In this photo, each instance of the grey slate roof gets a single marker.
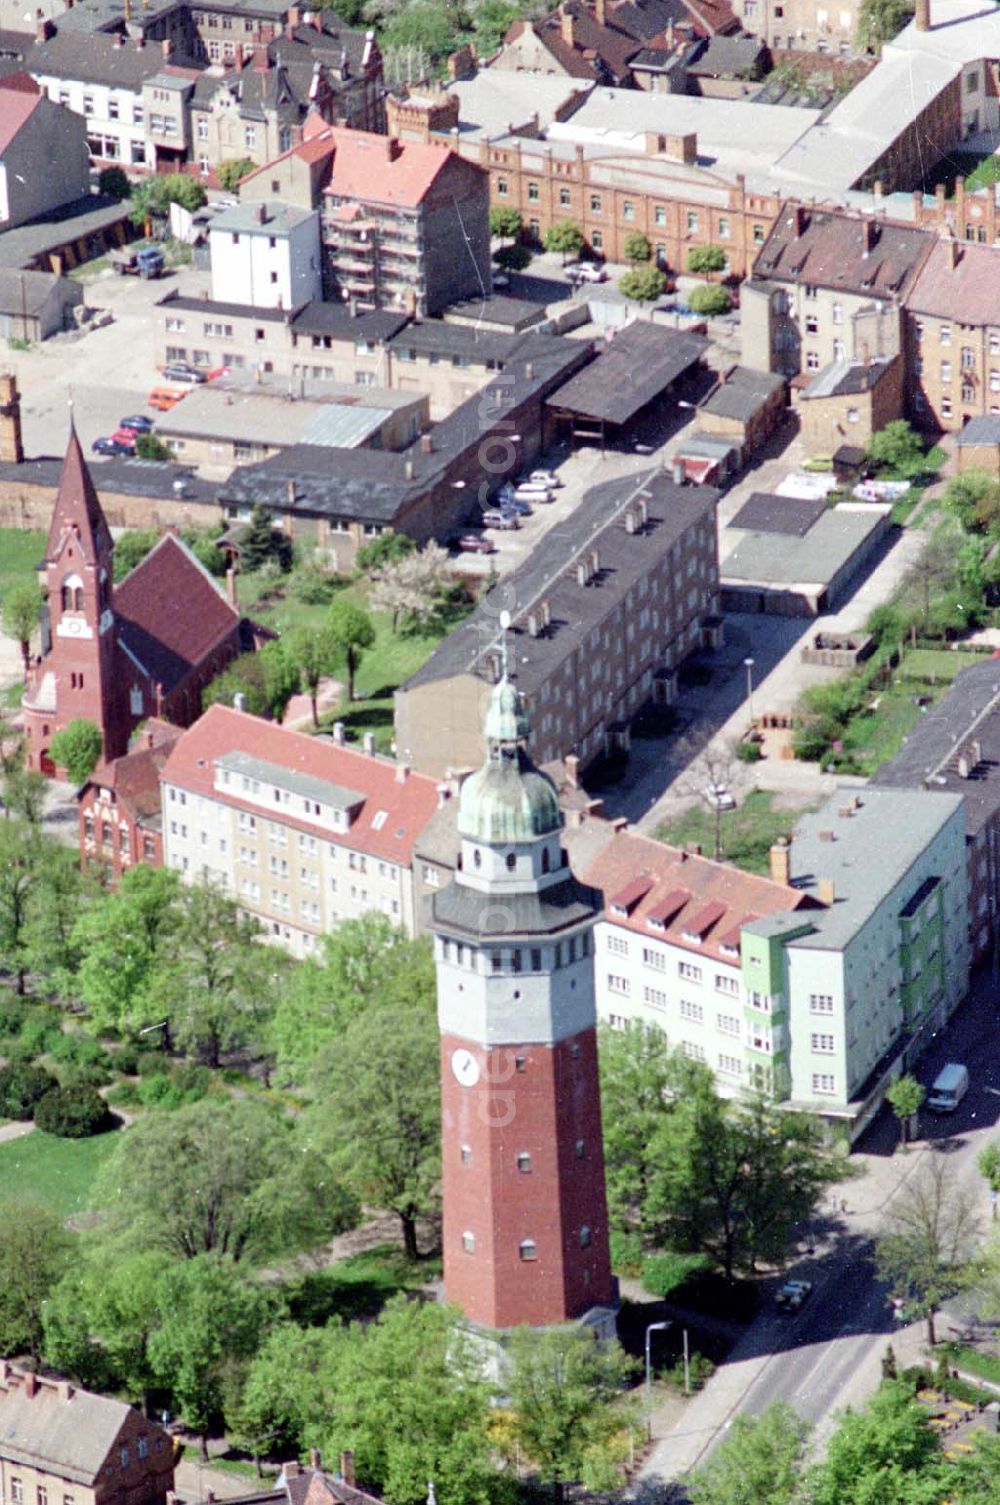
(470, 912)
(512, 313)
(737, 56)
(624, 558)
(210, 308)
(27, 292)
(336, 319)
(743, 393)
(813, 558)
(639, 364)
(763, 512)
(847, 377)
(95, 59)
(246, 219)
(67, 1436)
(151, 478)
(984, 429)
(75, 221)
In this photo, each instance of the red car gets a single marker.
(475, 543)
(125, 436)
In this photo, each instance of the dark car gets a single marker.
(792, 1295)
(475, 543)
(136, 423)
(181, 371)
(111, 446)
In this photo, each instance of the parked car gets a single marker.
(109, 446)
(528, 491)
(476, 543)
(126, 437)
(504, 521)
(165, 398)
(792, 1295)
(218, 371)
(587, 271)
(136, 423)
(516, 505)
(719, 797)
(181, 371)
(543, 478)
(501, 280)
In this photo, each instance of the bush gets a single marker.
(21, 1087)
(666, 1271)
(124, 1095)
(38, 1035)
(710, 301)
(186, 1085)
(749, 752)
(637, 248)
(149, 447)
(513, 258)
(13, 1012)
(114, 182)
(705, 259)
(644, 284)
(78, 1050)
(125, 1058)
(700, 1370)
(505, 222)
(565, 237)
(72, 1112)
(152, 1063)
(626, 1252)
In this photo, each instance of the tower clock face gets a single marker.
(466, 1067)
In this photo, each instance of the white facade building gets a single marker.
(266, 255)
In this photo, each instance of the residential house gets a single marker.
(849, 400)
(602, 617)
(35, 305)
(746, 406)
(977, 447)
(266, 255)
(954, 749)
(297, 1484)
(804, 26)
(404, 225)
(58, 1442)
(119, 806)
(829, 286)
(301, 831)
(43, 157)
(953, 335)
(571, 41)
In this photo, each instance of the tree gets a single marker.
(152, 197)
(899, 448)
(25, 792)
(935, 567)
(314, 654)
(407, 1395)
(637, 248)
(760, 1461)
(261, 542)
(99, 1319)
(880, 20)
(644, 284)
(114, 182)
(425, 25)
(77, 748)
(246, 676)
(120, 939)
(926, 1242)
(703, 260)
(492, 20)
(149, 447)
(232, 170)
(34, 1252)
(640, 1076)
(379, 552)
(22, 607)
(973, 498)
(974, 1479)
(377, 1108)
(710, 301)
(242, 1184)
(208, 1314)
(904, 1097)
(73, 1112)
(563, 1389)
(18, 877)
(279, 676)
(886, 1452)
(132, 548)
(361, 963)
(713, 767)
(505, 222)
(565, 237)
(412, 587)
(733, 1178)
(286, 1388)
(988, 1164)
(352, 631)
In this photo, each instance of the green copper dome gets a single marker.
(507, 800)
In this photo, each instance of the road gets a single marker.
(829, 1355)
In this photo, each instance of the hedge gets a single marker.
(72, 1112)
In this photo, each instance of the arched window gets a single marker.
(71, 594)
(584, 1237)
(477, 857)
(527, 1249)
(545, 859)
(511, 861)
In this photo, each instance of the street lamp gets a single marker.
(748, 666)
(654, 1327)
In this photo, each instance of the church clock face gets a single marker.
(466, 1067)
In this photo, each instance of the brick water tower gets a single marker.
(525, 1212)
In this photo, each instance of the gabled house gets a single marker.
(119, 806)
(43, 156)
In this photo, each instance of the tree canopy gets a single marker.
(759, 1462)
(77, 748)
(927, 1239)
(644, 284)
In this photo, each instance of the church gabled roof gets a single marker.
(77, 508)
(170, 613)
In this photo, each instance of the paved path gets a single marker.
(16, 1130)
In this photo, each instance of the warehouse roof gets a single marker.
(812, 558)
(742, 392)
(641, 362)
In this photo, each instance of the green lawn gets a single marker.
(356, 1287)
(59, 1172)
(748, 832)
(21, 552)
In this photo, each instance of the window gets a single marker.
(655, 997)
(838, 350)
(17, 1492)
(628, 210)
(617, 945)
(469, 1243)
(112, 108)
(944, 335)
(250, 136)
(465, 1155)
(503, 188)
(526, 1249)
(584, 1237)
(812, 324)
(693, 1011)
(564, 198)
(618, 984)
(971, 83)
(724, 984)
(968, 358)
(689, 970)
(810, 291)
(692, 1051)
(728, 1024)
(823, 1082)
(758, 235)
(123, 1456)
(532, 193)
(660, 214)
(822, 1044)
(524, 1162)
(812, 360)
(730, 1065)
(692, 222)
(655, 959)
(994, 380)
(724, 231)
(595, 203)
(821, 1003)
(853, 415)
(994, 342)
(946, 370)
(42, 1495)
(968, 392)
(88, 104)
(520, 1063)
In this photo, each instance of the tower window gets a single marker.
(469, 1243)
(545, 859)
(581, 1149)
(496, 961)
(477, 858)
(536, 960)
(574, 1050)
(520, 1063)
(465, 1155)
(511, 861)
(584, 1237)
(524, 1161)
(527, 1249)
(515, 960)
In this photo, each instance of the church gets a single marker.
(119, 654)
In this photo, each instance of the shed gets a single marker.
(34, 305)
(642, 363)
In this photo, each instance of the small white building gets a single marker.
(266, 255)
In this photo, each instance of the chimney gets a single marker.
(443, 793)
(11, 444)
(119, 40)
(693, 848)
(210, 1497)
(922, 15)
(976, 752)
(566, 26)
(800, 219)
(347, 1466)
(595, 562)
(601, 12)
(150, 739)
(964, 766)
(631, 520)
(239, 701)
(291, 1470)
(392, 148)
(167, 45)
(315, 1460)
(368, 743)
(583, 572)
(826, 890)
(678, 473)
(545, 607)
(140, 42)
(339, 733)
(30, 1383)
(408, 469)
(402, 774)
(780, 861)
(290, 491)
(954, 251)
(262, 213)
(534, 624)
(64, 1390)
(43, 30)
(869, 235)
(294, 17)
(426, 444)
(572, 765)
(231, 587)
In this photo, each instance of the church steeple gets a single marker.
(77, 508)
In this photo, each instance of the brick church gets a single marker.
(117, 655)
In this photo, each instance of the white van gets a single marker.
(950, 1086)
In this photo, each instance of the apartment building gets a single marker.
(829, 286)
(61, 1443)
(302, 831)
(404, 224)
(953, 335)
(829, 29)
(603, 614)
(668, 953)
(43, 157)
(266, 255)
(119, 807)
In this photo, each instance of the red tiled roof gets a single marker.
(135, 778)
(16, 108)
(405, 804)
(21, 82)
(170, 612)
(969, 290)
(366, 166)
(77, 505)
(700, 924)
(626, 900)
(735, 896)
